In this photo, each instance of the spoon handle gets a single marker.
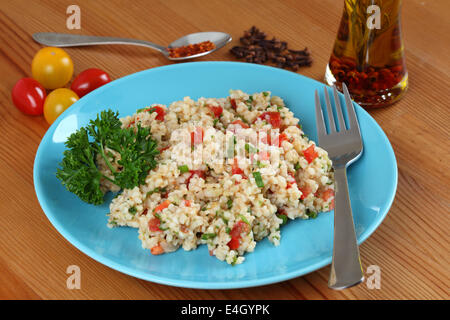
(72, 40)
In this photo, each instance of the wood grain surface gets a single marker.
(412, 244)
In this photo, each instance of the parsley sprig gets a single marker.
(78, 171)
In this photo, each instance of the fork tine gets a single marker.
(337, 103)
(353, 121)
(329, 111)
(320, 123)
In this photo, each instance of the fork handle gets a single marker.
(346, 270)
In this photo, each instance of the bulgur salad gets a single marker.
(225, 172)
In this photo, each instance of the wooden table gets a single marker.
(412, 244)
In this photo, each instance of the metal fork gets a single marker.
(344, 147)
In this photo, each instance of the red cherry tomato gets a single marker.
(28, 96)
(89, 80)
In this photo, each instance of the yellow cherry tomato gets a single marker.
(56, 102)
(52, 67)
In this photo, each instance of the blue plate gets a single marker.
(306, 245)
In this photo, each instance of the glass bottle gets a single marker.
(368, 53)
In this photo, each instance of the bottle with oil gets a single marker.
(368, 53)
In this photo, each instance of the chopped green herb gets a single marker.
(230, 203)
(250, 149)
(243, 119)
(283, 217)
(203, 208)
(234, 260)
(142, 109)
(297, 166)
(227, 230)
(132, 210)
(311, 214)
(161, 221)
(230, 150)
(258, 179)
(329, 182)
(244, 219)
(215, 122)
(279, 108)
(276, 237)
(183, 169)
(221, 215)
(157, 190)
(207, 236)
(265, 93)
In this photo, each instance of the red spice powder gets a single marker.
(191, 49)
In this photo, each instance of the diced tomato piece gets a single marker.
(241, 123)
(197, 136)
(277, 140)
(282, 137)
(153, 224)
(216, 110)
(157, 250)
(233, 244)
(266, 139)
(310, 154)
(198, 173)
(332, 204)
(327, 194)
(282, 212)
(163, 149)
(305, 192)
(162, 206)
(272, 117)
(264, 155)
(160, 112)
(291, 182)
(144, 213)
(233, 104)
(187, 203)
(238, 228)
(236, 170)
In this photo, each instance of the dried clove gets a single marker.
(255, 48)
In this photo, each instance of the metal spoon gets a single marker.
(71, 40)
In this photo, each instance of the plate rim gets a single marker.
(190, 283)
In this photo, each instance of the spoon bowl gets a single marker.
(219, 39)
(53, 39)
